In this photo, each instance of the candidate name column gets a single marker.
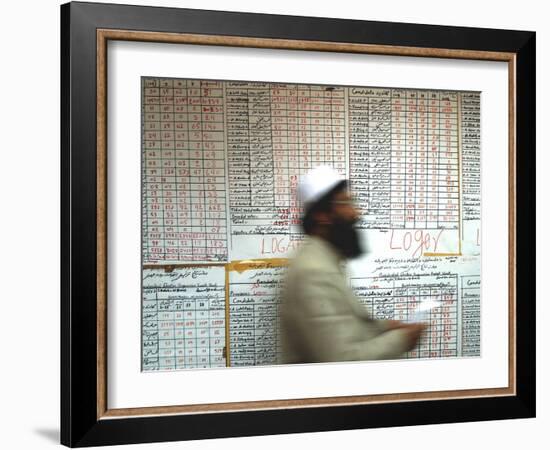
(238, 153)
(379, 157)
(471, 163)
(261, 154)
(251, 160)
(150, 329)
(358, 119)
(471, 315)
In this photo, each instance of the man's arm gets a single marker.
(332, 332)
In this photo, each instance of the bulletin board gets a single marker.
(221, 161)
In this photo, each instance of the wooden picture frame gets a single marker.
(86, 418)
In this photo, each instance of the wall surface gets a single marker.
(29, 184)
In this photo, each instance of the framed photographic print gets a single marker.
(185, 137)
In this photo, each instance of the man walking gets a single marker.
(321, 318)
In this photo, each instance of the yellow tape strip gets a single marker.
(254, 264)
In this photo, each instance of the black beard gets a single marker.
(344, 236)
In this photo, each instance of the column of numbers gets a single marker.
(279, 133)
(410, 158)
(449, 197)
(304, 129)
(337, 128)
(432, 198)
(168, 169)
(421, 160)
(398, 158)
(153, 207)
(183, 171)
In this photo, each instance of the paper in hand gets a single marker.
(422, 313)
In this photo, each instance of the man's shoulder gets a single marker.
(314, 255)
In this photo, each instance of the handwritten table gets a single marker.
(221, 162)
(183, 193)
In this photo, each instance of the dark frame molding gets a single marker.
(81, 421)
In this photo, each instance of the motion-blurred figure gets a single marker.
(321, 319)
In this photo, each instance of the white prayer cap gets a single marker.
(316, 184)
